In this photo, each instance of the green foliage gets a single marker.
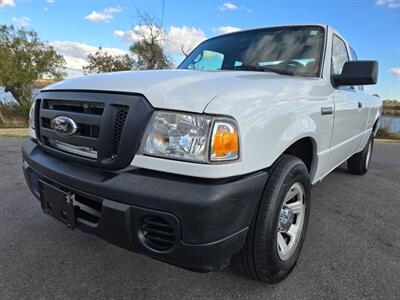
(149, 56)
(14, 115)
(102, 61)
(147, 52)
(24, 59)
(384, 133)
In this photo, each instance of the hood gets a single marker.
(184, 90)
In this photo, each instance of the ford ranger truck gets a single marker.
(210, 163)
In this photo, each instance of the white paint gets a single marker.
(272, 111)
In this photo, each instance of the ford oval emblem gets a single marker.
(64, 126)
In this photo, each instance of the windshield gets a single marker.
(285, 50)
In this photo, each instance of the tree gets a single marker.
(102, 61)
(24, 59)
(147, 51)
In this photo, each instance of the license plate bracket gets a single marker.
(58, 204)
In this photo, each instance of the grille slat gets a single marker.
(152, 222)
(89, 108)
(77, 117)
(74, 140)
(153, 237)
(155, 230)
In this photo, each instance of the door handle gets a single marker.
(359, 104)
(326, 110)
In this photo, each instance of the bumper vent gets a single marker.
(158, 233)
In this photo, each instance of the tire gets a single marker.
(260, 258)
(358, 164)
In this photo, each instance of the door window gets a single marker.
(354, 57)
(339, 55)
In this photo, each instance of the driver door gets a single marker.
(346, 136)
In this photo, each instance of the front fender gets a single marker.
(270, 124)
(262, 150)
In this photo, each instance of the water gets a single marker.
(8, 98)
(392, 122)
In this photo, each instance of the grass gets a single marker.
(13, 115)
(13, 126)
(384, 133)
(385, 141)
(14, 132)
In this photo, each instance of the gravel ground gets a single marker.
(352, 249)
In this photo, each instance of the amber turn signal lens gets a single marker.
(225, 142)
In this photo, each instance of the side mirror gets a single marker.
(358, 72)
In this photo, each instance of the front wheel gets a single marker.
(278, 229)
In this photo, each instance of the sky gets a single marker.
(76, 28)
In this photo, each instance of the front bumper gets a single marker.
(209, 218)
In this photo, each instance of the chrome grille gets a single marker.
(109, 126)
(78, 150)
(87, 115)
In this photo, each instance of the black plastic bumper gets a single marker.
(210, 218)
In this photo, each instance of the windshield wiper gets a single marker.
(262, 69)
(280, 72)
(249, 68)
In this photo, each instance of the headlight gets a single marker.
(32, 115)
(191, 137)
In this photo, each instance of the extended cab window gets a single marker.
(353, 54)
(285, 50)
(339, 55)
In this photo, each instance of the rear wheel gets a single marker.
(359, 163)
(278, 229)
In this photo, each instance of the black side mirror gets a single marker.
(357, 72)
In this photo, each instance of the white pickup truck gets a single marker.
(212, 162)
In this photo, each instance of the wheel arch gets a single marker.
(375, 127)
(304, 148)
